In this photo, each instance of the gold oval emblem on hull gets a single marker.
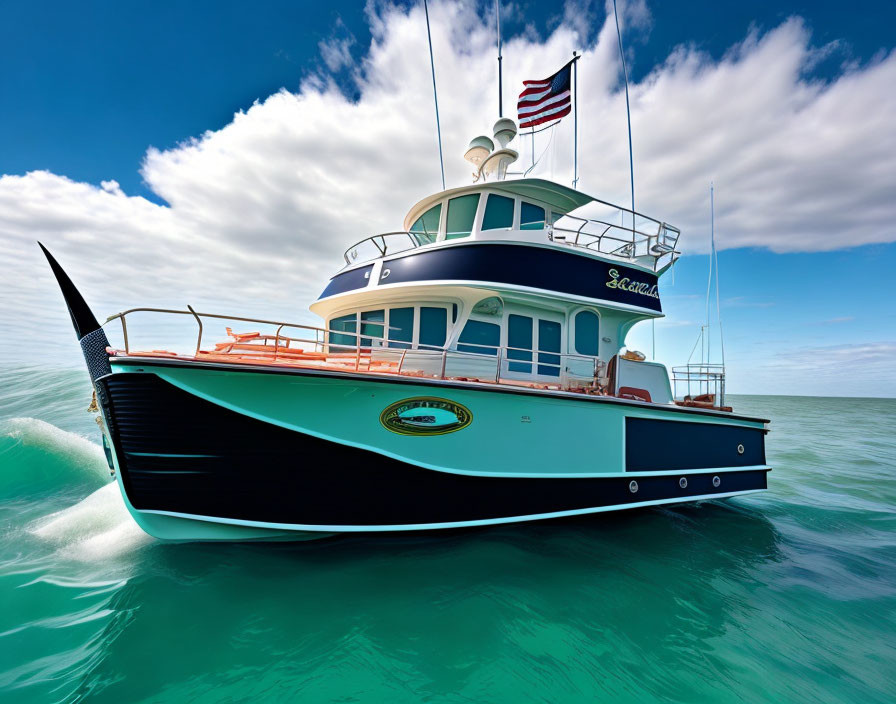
(425, 415)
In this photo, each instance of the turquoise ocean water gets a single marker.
(786, 596)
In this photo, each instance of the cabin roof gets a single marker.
(561, 199)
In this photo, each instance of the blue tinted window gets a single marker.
(587, 333)
(531, 217)
(427, 226)
(548, 341)
(369, 328)
(461, 214)
(433, 326)
(344, 323)
(498, 213)
(401, 327)
(519, 334)
(482, 338)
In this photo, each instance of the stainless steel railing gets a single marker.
(386, 243)
(595, 235)
(693, 380)
(379, 354)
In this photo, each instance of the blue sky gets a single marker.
(110, 95)
(102, 81)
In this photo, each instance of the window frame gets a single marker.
(514, 215)
(474, 225)
(544, 221)
(450, 323)
(573, 314)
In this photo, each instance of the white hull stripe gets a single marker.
(456, 524)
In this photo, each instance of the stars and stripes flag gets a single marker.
(543, 101)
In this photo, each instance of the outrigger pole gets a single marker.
(435, 93)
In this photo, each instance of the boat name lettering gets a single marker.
(425, 415)
(626, 284)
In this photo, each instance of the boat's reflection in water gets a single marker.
(526, 605)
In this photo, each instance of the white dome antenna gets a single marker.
(505, 130)
(479, 149)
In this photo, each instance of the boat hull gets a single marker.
(214, 453)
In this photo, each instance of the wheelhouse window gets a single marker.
(401, 327)
(372, 324)
(498, 213)
(426, 228)
(519, 343)
(548, 341)
(461, 214)
(433, 327)
(480, 337)
(587, 333)
(344, 324)
(531, 217)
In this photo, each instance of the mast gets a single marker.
(435, 94)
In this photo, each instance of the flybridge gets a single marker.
(531, 211)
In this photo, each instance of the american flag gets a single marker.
(543, 101)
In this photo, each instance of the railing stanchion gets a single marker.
(277, 341)
(444, 362)
(199, 323)
(124, 332)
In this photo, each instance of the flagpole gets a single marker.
(498, 16)
(575, 122)
(435, 94)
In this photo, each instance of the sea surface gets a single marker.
(785, 596)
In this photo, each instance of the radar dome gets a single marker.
(479, 149)
(505, 130)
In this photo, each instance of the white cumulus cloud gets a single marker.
(259, 212)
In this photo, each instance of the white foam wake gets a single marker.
(97, 527)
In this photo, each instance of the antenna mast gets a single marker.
(498, 16)
(631, 160)
(435, 94)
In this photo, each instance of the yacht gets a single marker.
(469, 369)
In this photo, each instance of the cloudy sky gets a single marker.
(224, 154)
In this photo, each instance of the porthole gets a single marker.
(633, 487)
(740, 449)
(683, 483)
(716, 481)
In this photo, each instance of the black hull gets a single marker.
(181, 454)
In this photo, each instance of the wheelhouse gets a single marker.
(509, 284)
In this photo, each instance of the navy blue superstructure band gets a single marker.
(543, 268)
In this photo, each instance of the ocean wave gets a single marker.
(36, 456)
